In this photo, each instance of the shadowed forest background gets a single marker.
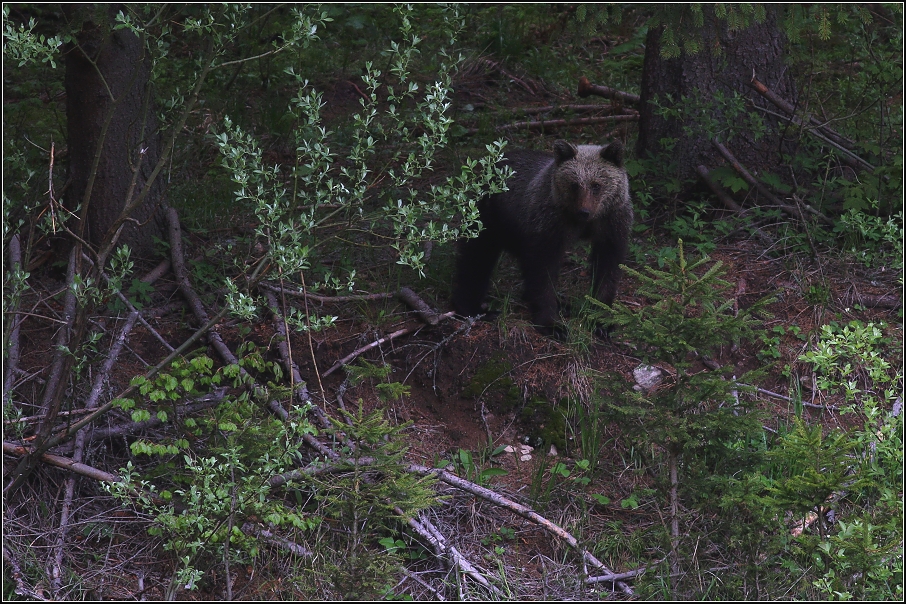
(231, 370)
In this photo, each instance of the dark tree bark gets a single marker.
(754, 50)
(112, 132)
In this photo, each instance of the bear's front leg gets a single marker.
(475, 262)
(541, 270)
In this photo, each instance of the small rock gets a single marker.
(553, 451)
(525, 458)
(647, 377)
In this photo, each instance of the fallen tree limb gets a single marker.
(869, 301)
(202, 402)
(616, 576)
(323, 299)
(400, 332)
(79, 448)
(12, 350)
(421, 308)
(62, 462)
(533, 90)
(753, 182)
(425, 529)
(22, 588)
(581, 121)
(848, 157)
(149, 278)
(586, 88)
(789, 108)
(521, 510)
(300, 388)
(581, 108)
(728, 201)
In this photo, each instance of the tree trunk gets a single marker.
(112, 132)
(754, 50)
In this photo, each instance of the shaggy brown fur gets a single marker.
(553, 201)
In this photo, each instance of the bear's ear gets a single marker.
(564, 151)
(613, 153)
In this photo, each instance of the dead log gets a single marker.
(586, 88)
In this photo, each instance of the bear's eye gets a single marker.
(595, 187)
(574, 187)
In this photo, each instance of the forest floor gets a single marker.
(477, 389)
(474, 389)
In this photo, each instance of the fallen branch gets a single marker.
(58, 377)
(62, 462)
(265, 535)
(728, 201)
(533, 90)
(299, 386)
(78, 451)
(151, 277)
(869, 301)
(580, 108)
(847, 156)
(421, 308)
(425, 529)
(12, 355)
(400, 332)
(65, 463)
(582, 121)
(521, 510)
(789, 108)
(22, 588)
(616, 576)
(753, 182)
(195, 303)
(586, 88)
(202, 402)
(323, 299)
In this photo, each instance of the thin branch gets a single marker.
(78, 451)
(728, 201)
(789, 108)
(299, 386)
(521, 510)
(22, 588)
(132, 308)
(400, 332)
(425, 529)
(12, 346)
(753, 182)
(323, 299)
(581, 121)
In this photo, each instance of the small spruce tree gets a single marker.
(694, 423)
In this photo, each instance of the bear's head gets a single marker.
(589, 180)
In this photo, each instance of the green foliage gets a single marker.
(369, 491)
(699, 425)
(683, 24)
(717, 115)
(22, 45)
(469, 468)
(218, 493)
(331, 189)
(873, 240)
(856, 473)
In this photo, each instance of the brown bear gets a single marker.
(579, 192)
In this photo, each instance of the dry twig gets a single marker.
(400, 332)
